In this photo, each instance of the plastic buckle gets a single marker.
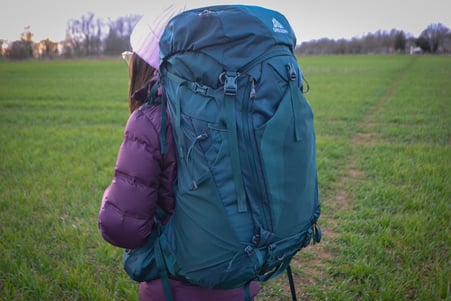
(292, 72)
(199, 89)
(230, 83)
(249, 250)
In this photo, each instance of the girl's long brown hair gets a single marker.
(140, 73)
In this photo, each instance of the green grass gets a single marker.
(384, 162)
(61, 125)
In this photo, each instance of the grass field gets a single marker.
(384, 158)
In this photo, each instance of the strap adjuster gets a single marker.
(199, 89)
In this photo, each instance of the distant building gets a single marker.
(3, 47)
(45, 49)
(415, 50)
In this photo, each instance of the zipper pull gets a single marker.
(252, 94)
(189, 160)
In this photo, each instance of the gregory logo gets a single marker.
(278, 27)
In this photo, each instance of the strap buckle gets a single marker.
(229, 79)
(292, 72)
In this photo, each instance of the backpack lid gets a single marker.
(231, 33)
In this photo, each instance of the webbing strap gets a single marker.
(193, 86)
(178, 129)
(163, 126)
(177, 118)
(275, 272)
(163, 272)
(283, 51)
(230, 118)
(247, 292)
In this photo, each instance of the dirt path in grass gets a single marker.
(313, 261)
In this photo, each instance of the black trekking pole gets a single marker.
(292, 288)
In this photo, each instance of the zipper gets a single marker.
(252, 153)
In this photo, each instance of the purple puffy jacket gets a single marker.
(143, 179)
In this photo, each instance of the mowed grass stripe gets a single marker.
(62, 117)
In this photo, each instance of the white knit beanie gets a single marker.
(146, 35)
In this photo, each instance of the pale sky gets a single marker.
(310, 19)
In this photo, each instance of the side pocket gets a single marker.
(140, 263)
(289, 164)
(218, 158)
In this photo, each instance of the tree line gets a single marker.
(87, 36)
(434, 39)
(91, 36)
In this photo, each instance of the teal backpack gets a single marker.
(247, 188)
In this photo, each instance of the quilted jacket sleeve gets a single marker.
(143, 180)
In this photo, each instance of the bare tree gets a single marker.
(399, 41)
(75, 37)
(90, 30)
(85, 35)
(118, 38)
(435, 35)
